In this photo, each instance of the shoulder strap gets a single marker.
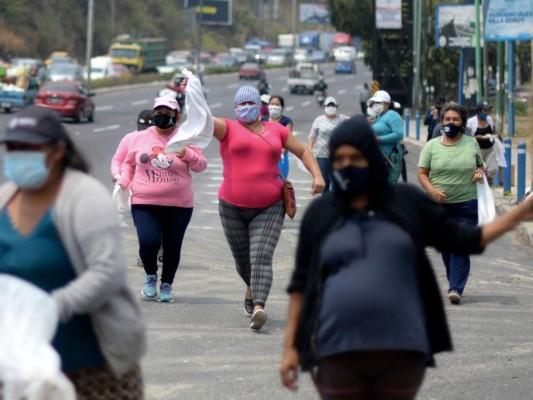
(284, 178)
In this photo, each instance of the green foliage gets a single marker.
(352, 16)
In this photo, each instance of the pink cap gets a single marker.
(166, 101)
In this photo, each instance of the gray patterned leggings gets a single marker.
(252, 235)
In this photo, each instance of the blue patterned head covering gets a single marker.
(247, 93)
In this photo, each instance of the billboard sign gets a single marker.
(314, 14)
(509, 20)
(214, 12)
(456, 26)
(389, 14)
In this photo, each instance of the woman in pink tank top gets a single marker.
(251, 204)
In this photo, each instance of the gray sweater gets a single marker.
(89, 229)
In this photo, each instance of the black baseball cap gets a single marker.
(440, 100)
(35, 125)
(483, 105)
(144, 120)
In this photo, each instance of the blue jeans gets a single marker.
(458, 266)
(325, 169)
(160, 225)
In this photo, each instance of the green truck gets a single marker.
(139, 54)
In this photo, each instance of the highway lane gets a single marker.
(116, 111)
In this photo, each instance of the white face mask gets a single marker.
(274, 111)
(378, 108)
(330, 110)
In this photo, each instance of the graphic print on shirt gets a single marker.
(161, 164)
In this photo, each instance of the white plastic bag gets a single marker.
(29, 365)
(198, 128)
(121, 199)
(492, 164)
(486, 211)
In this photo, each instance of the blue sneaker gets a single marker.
(150, 284)
(165, 293)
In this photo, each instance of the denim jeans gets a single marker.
(325, 169)
(458, 266)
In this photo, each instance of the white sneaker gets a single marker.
(258, 320)
(454, 297)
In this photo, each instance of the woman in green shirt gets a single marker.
(449, 167)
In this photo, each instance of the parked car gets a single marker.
(70, 99)
(64, 72)
(251, 71)
(345, 67)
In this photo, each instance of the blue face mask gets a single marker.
(482, 116)
(247, 114)
(26, 169)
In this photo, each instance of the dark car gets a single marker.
(250, 71)
(345, 67)
(68, 98)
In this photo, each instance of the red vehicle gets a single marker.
(251, 71)
(341, 39)
(68, 98)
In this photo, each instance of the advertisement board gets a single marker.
(389, 14)
(456, 26)
(214, 12)
(509, 20)
(314, 14)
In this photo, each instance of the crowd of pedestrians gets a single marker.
(361, 244)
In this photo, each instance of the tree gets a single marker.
(352, 16)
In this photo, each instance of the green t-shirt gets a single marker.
(452, 167)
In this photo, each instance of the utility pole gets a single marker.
(200, 39)
(417, 9)
(113, 13)
(89, 43)
(293, 27)
(479, 73)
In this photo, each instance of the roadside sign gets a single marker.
(509, 20)
(213, 12)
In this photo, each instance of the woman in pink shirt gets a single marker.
(251, 204)
(162, 198)
(144, 121)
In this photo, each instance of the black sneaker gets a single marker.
(248, 306)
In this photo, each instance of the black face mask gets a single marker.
(164, 121)
(350, 181)
(451, 130)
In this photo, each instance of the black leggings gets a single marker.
(158, 225)
(376, 375)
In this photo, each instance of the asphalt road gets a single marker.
(200, 346)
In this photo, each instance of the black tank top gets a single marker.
(484, 143)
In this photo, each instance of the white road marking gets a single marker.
(342, 91)
(216, 178)
(139, 102)
(306, 103)
(207, 211)
(215, 105)
(284, 89)
(289, 109)
(207, 228)
(106, 128)
(233, 86)
(103, 108)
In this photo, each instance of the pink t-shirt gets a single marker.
(157, 178)
(251, 166)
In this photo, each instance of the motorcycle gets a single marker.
(320, 96)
